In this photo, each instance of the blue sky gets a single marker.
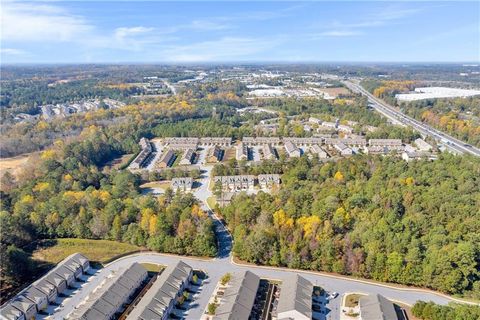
(228, 31)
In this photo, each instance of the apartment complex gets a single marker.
(36, 297)
(161, 297)
(113, 293)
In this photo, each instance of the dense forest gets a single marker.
(455, 311)
(125, 125)
(381, 218)
(66, 195)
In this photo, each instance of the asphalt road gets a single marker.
(223, 263)
(395, 115)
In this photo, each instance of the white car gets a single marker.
(333, 295)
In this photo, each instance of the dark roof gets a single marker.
(111, 295)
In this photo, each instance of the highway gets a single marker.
(451, 143)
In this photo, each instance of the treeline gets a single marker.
(66, 195)
(406, 134)
(201, 128)
(454, 311)
(356, 111)
(125, 125)
(32, 93)
(459, 117)
(381, 218)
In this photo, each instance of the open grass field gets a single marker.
(53, 251)
(156, 185)
(152, 267)
(15, 164)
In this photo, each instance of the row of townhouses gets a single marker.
(144, 155)
(247, 182)
(36, 297)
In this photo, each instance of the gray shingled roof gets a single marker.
(45, 286)
(239, 297)
(296, 294)
(23, 304)
(148, 314)
(377, 307)
(10, 312)
(92, 314)
(163, 291)
(106, 300)
(34, 295)
(80, 258)
(54, 279)
(63, 271)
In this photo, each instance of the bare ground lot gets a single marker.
(335, 92)
(15, 164)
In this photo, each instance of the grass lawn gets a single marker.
(351, 300)
(212, 202)
(152, 267)
(156, 185)
(53, 251)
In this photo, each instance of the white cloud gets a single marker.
(40, 22)
(12, 52)
(127, 32)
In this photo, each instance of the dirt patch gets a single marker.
(335, 92)
(15, 164)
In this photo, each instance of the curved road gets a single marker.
(223, 263)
